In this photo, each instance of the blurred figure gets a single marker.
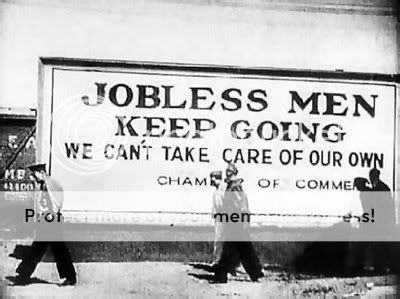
(236, 252)
(216, 181)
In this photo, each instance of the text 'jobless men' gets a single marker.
(229, 100)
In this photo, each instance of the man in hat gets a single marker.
(385, 211)
(216, 181)
(48, 200)
(237, 247)
(377, 184)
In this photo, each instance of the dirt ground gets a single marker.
(165, 279)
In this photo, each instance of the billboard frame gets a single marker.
(48, 64)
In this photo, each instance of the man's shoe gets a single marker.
(257, 277)
(68, 282)
(213, 267)
(21, 281)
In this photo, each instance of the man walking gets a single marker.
(49, 201)
(216, 181)
(237, 247)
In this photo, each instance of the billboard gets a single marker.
(137, 138)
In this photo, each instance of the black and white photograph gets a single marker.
(199, 148)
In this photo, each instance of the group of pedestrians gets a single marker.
(232, 244)
(229, 253)
(229, 198)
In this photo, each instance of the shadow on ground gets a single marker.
(339, 259)
(32, 280)
(343, 259)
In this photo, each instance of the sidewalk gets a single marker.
(166, 279)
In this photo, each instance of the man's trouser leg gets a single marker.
(227, 262)
(217, 241)
(63, 260)
(29, 263)
(249, 259)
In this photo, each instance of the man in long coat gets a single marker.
(237, 247)
(49, 200)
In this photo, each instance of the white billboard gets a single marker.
(143, 139)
